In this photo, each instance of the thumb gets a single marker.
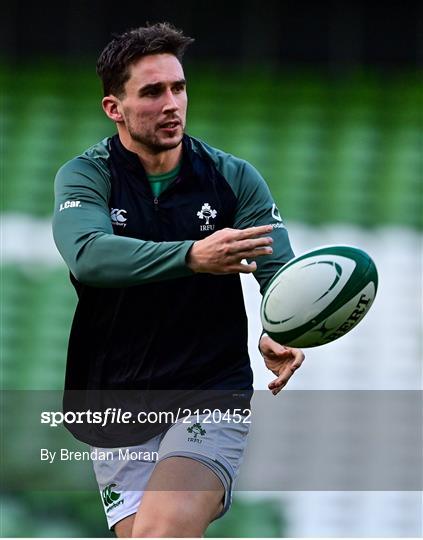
(270, 346)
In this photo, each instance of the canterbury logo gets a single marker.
(277, 217)
(275, 213)
(117, 217)
(109, 496)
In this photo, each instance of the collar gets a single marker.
(133, 162)
(191, 166)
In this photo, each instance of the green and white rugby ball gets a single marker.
(319, 296)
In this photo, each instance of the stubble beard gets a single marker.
(152, 142)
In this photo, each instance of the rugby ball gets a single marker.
(319, 296)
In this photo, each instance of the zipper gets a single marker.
(166, 192)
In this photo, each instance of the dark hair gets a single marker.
(116, 58)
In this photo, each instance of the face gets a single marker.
(154, 105)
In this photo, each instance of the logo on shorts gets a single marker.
(111, 498)
(197, 432)
(207, 213)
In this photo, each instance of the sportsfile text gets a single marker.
(114, 415)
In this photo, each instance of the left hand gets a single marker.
(281, 360)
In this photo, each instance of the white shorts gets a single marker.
(123, 473)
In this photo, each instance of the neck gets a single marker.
(153, 162)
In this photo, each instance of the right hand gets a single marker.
(223, 251)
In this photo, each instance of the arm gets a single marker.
(257, 207)
(84, 236)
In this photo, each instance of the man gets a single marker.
(154, 226)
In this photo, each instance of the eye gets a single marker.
(152, 92)
(179, 88)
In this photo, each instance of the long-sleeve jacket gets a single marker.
(144, 320)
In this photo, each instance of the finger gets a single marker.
(298, 361)
(278, 383)
(298, 357)
(246, 268)
(252, 232)
(275, 389)
(237, 268)
(275, 350)
(271, 348)
(283, 378)
(246, 246)
(259, 252)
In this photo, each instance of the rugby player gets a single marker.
(154, 226)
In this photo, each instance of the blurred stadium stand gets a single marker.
(332, 150)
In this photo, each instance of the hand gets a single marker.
(281, 360)
(223, 251)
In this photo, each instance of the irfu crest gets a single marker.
(196, 431)
(207, 213)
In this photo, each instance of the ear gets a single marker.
(112, 107)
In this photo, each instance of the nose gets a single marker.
(170, 104)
